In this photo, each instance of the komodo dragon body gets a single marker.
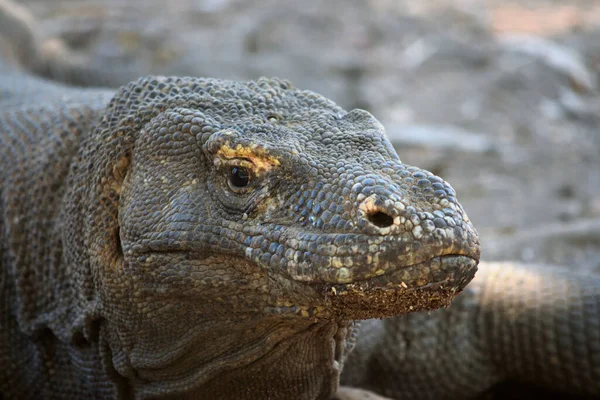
(207, 237)
(200, 238)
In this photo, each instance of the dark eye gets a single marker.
(239, 177)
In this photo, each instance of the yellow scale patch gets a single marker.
(262, 160)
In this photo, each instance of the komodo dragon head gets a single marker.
(225, 219)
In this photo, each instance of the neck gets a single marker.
(272, 358)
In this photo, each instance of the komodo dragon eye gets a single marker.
(239, 177)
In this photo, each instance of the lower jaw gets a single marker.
(425, 286)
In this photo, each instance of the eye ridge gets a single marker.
(239, 177)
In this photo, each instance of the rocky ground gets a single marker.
(499, 98)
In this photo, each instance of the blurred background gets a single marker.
(500, 98)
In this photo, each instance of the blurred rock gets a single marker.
(443, 137)
(561, 58)
(573, 244)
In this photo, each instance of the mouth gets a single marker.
(425, 286)
(343, 259)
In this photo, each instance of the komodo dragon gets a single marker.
(200, 238)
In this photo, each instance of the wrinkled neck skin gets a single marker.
(287, 362)
(268, 359)
(179, 341)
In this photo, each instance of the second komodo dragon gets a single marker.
(200, 238)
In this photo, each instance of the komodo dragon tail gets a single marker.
(19, 45)
(22, 46)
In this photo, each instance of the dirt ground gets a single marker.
(499, 98)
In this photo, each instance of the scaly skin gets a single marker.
(128, 247)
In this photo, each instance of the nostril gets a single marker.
(380, 219)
